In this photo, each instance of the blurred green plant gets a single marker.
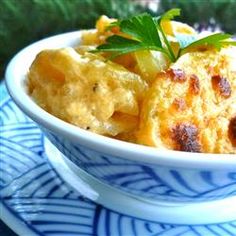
(25, 21)
(205, 12)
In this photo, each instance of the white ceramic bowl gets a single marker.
(145, 172)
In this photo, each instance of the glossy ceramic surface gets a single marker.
(144, 172)
(149, 181)
(35, 200)
(136, 207)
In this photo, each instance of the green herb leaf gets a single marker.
(227, 43)
(216, 40)
(185, 39)
(142, 28)
(213, 40)
(112, 25)
(124, 44)
(171, 14)
(119, 45)
(143, 33)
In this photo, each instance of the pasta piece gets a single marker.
(87, 91)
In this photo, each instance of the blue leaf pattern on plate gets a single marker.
(150, 181)
(33, 192)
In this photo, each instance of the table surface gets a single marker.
(4, 229)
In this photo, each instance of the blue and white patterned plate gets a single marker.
(35, 200)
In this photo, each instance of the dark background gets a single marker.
(25, 21)
(5, 231)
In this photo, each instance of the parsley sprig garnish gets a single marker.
(217, 40)
(141, 35)
(144, 32)
(169, 15)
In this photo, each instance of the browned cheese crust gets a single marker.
(192, 106)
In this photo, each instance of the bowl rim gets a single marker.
(15, 81)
